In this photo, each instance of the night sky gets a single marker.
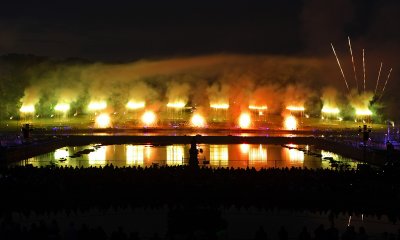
(120, 31)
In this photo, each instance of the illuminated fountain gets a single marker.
(219, 112)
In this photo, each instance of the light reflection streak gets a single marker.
(61, 154)
(135, 154)
(175, 154)
(258, 154)
(219, 155)
(98, 156)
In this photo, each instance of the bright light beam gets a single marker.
(384, 86)
(62, 107)
(364, 67)
(340, 66)
(27, 109)
(352, 60)
(377, 80)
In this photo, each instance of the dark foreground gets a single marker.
(199, 191)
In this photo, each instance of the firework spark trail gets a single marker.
(364, 67)
(352, 60)
(377, 80)
(384, 86)
(341, 70)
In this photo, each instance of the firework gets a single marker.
(220, 106)
(329, 110)
(95, 106)
(363, 112)
(244, 120)
(290, 123)
(103, 121)
(377, 80)
(340, 66)
(62, 107)
(295, 108)
(27, 109)
(198, 121)
(253, 107)
(384, 86)
(148, 118)
(352, 60)
(364, 67)
(135, 105)
(176, 105)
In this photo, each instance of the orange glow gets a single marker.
(244, 148)
(329, 110)
(135, 105)
(149, 118)
(295, 108)
(62, 107)
(244, 120)
(94, 106)
(197, 121)
(253, 107)
(290, 123)
(363, 112)
(103, 121)
(220, 106)
(176, 105)
(258, 154)
(27, 109)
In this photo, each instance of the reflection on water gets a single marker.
(219, 155)
(98, 157)
(175, 155)
(228, 155)
(61, 153)
(258, 154)
(134, 154)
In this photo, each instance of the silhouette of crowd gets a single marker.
(51, 189)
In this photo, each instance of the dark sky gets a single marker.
(120, 31)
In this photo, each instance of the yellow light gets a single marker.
(176, 105)
(253, 107)
(290, 123)
(363, 112)
(258, 154)
(219, 155)
(220, 106)
(135, 154)
(95, 106)
(197, 120)
(27, 109)
(135, 105)
(244, 148)
(62, 107)
(244, 120)
(329, 110)
(295, 108)
(61, 154)
(149, 118)
(103, 121)
(175, 155)
(98, 156)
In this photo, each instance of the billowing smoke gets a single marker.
(233, 80)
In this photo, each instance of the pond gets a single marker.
(213, 155)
